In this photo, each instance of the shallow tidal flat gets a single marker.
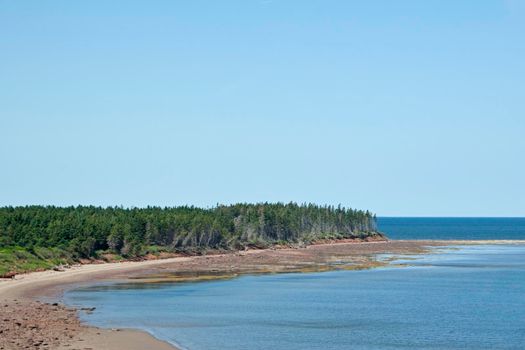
(453, 297)
(315, 258)
(132, 295)
(47, 326)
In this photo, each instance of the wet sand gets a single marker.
(28, 322)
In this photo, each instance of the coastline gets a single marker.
(21, 297)
(53, 326)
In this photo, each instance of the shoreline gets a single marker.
(60, 328)
(26, 291)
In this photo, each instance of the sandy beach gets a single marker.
(27, 322)
(33, 317)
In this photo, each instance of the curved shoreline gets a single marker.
(19, 295)
(27, 288)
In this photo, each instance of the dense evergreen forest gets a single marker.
(86, 231)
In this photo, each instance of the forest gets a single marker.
(52, 234)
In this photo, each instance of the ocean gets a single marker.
(462, 297)
(453, 228)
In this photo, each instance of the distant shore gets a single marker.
(27, 321)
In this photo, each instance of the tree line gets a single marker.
(85, 230)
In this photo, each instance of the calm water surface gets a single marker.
(461, 298)
(453, 228)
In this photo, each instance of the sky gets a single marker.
(405, 108)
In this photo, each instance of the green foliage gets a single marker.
(17, 259)
(82, 231)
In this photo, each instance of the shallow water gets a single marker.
(469, 297)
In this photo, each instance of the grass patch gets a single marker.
(19, 260)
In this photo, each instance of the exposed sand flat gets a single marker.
(26, 322)
(102, 339)
(27, 284)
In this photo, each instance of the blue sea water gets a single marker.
(453, 228)
(464, 297)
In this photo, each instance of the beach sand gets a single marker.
(32, 316)
(26, 322)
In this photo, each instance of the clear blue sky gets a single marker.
(400, 107)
